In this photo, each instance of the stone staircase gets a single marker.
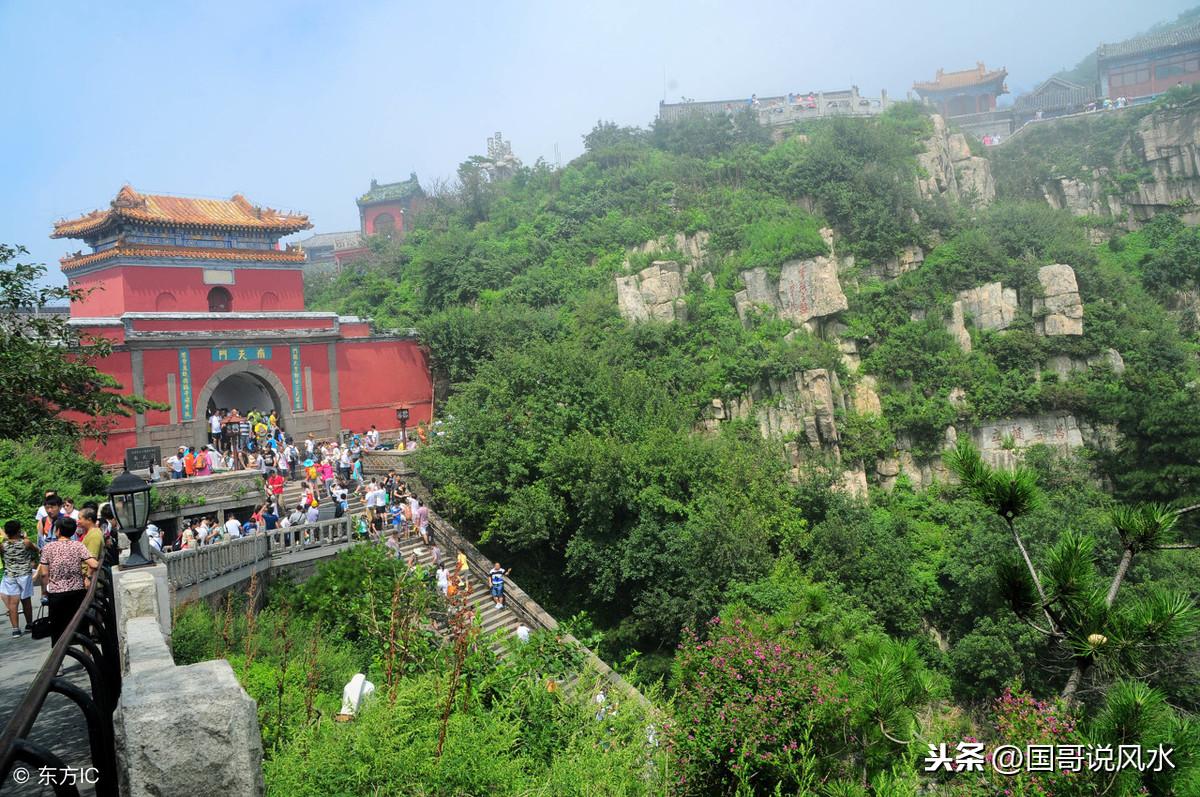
(492, 619)
(498, 626)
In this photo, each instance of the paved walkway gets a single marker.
(60, 725)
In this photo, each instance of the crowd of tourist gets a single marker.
(67, 546)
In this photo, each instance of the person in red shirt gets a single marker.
(275, 486)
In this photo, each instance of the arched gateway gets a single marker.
(216, 318)
(242, 386)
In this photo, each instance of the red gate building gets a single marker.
(205, 309)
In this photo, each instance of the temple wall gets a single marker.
(144, 289)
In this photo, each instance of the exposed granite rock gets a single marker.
(1062, 306)
(866, 396)
(801, 406)
(853, 482)
(991, 306)
(1000, 441)
(956, 326)
(1165, 147)
(1110, 358)
(656, 292)
(909, 259)
(949, 169)
(694, 248)
(807, 289)
(1063, 365)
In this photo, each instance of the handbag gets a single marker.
(40, 628)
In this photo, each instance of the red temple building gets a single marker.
(384, 210)
(966, 92)
(205, 310)
(1149, 65)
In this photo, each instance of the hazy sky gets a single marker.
(298, 105)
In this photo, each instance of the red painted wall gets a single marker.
(316, 357)
(121, 433)
(106, 294)
(137, 289)
(156, 364)
(235, 324)
(396, 209)
(375, 377)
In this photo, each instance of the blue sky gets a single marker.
(298, 105)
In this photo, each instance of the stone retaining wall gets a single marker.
(187, 730)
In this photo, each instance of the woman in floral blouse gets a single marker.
(61, 570)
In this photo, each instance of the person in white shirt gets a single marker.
(313, 514)
(233, 528)
(176, 463)
(443, 579)
(523, 632)
(214, 429)
(373, 437)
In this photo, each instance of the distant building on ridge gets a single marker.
(1149, 65)
(382, 210)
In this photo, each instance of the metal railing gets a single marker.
(91, 639)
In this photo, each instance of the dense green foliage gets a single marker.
(570, 445)
(37, 464)
(507, 735)
(49, 383)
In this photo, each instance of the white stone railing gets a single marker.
(336, 531)
(209, 562)
(185, 568)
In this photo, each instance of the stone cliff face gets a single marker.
(805, 410)
(951, 171)
(1164, 149)
(656, 292)
(806, 289)
(1059, 311)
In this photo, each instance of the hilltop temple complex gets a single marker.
(205, 309)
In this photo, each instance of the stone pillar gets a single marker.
(179, 730)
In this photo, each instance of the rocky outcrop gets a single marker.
(909, 259)
(656, 292)
(1063, 365)
(948, 169)
(957, 327)
(806, 289)
(991, 306)
(1164, 149)
(1062, 307)
(866, 396)
(1001, 441)
(693, 248)
(799, 410)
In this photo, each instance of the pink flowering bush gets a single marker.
(1020, 720)
(753, 711)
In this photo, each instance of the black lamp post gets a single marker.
(402, 416)
(130, 497)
